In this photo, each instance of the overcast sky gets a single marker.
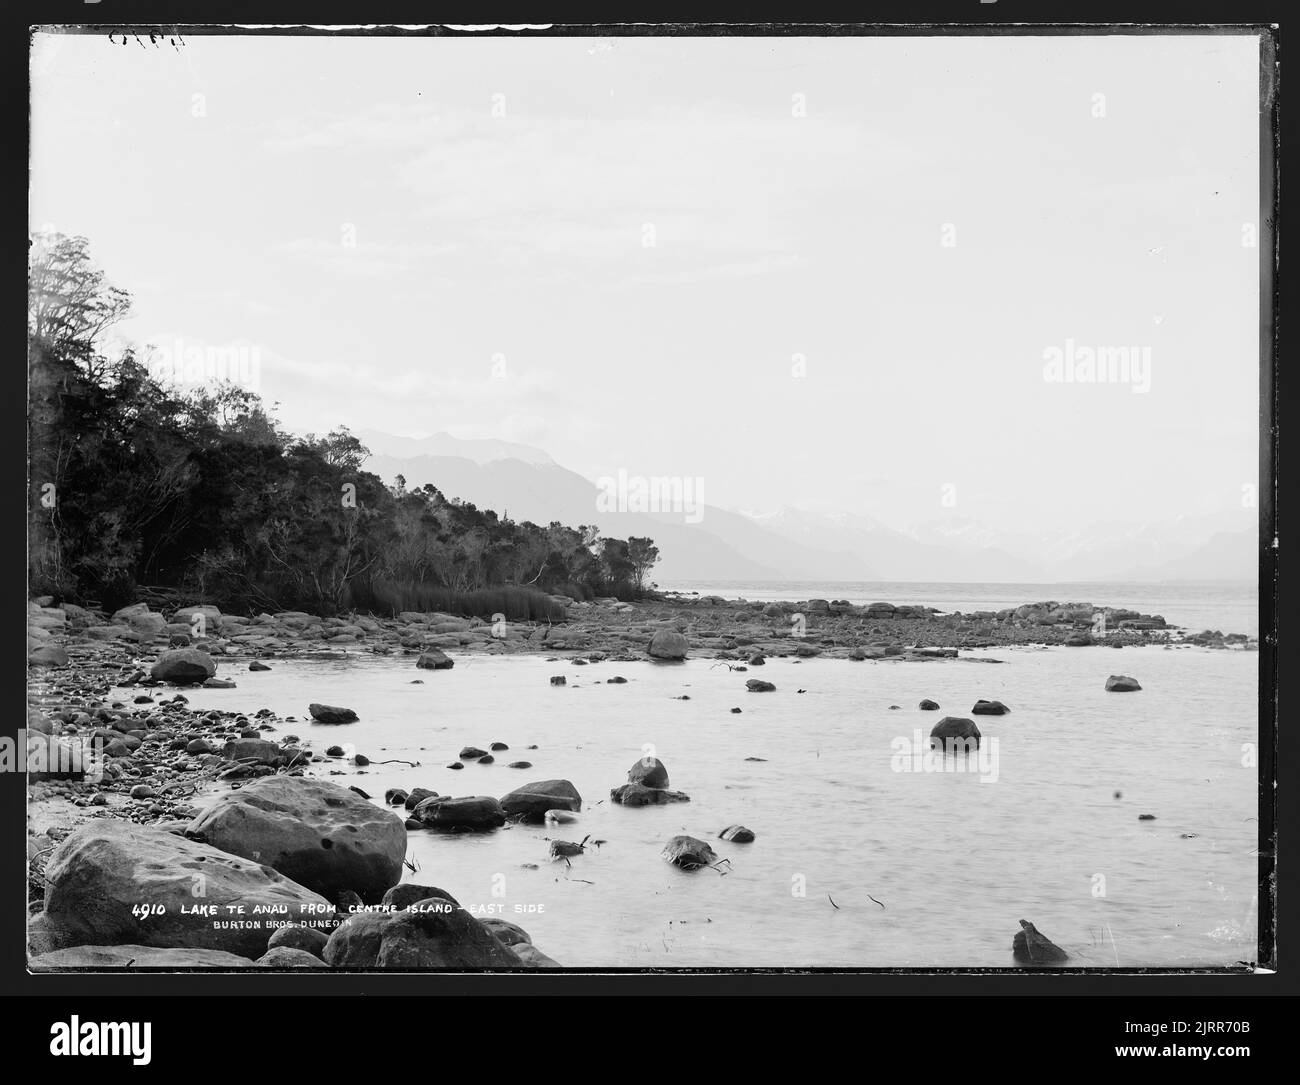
(627, 251)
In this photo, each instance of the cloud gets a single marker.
(667, 196)
(349, 256)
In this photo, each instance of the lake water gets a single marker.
(954, 859)
(1228, 606)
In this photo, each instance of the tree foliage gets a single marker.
(135, 482)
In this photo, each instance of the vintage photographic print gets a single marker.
(670, 500)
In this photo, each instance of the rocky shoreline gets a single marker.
(147, 818)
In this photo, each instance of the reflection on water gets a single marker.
(862, 859)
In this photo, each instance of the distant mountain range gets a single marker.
(524, 483)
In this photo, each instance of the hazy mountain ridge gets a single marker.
(524, 483)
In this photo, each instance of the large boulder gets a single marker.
(103, 958)
(434, 933)
(954, 731)
(354, 943)
(321, 835)
(530, 802)
(1122, 683)
(649, 771)
(401, 897)
(430, 933)
(309, 939)
(106, 872)
(434, 659)
(183, 666)
(328, 713)
(689, 853)
(668, 644)
(472, 813)
(1030, 947)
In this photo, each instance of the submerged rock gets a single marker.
(1122, 683)
(475, 812)
(989, 708)
(689, 853)
(757, 685)
(954, 729)
(928, 705)
(1030, 947)
(737, 834)
(531, 801)
(434, 659)
(325, 713)
(183, 666)
(640, 795)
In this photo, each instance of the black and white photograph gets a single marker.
(648, 501)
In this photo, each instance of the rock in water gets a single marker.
(1122, 683)
(417, 796)
(472, 813)
(668, 644)
(558, 680)
(757, 685)
(928, 705)
(183, 666)
(689, 853)
(106, 868)
(433, 659)
(640, 795)
(319, 834)
(989, 708)
(1031, 947)
(530, 802)
(649, 771)
(954, 730)
(737, 834)
(328, 713)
